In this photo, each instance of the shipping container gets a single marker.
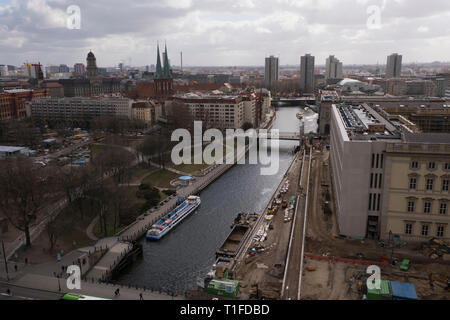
(385, 293)
(403, 291)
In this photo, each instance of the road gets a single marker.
(294, 264)
(21, 293)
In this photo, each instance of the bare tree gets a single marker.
(156, 146)
(58, 226)
(182, 117)
(23, 192)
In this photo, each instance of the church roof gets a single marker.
(167, 73)
(159, 72)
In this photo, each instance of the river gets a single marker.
(187, 253)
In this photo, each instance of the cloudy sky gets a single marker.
(226, 33)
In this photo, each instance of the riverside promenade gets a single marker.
(115, 249)
(103, 269)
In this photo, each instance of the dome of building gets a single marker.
(348, 81)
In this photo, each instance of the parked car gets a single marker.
(406, 264)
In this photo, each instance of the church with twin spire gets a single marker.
(163, 77)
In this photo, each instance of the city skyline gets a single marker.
(235, 34)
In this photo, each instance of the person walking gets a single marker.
(141, 297)
(117, 292)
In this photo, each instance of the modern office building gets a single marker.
(79, 70)
(333, 68)
(271, 71)
(376, 159)
(394, 66)
(307, 82)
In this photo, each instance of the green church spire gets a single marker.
(159, 71)
(167, 73)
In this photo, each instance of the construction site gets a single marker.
(296, 252)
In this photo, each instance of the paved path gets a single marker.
(50, 285)
(90, 229)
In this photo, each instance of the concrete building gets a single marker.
(333, 69)
(79, 109)
(325, 100)
(374, 157)
(396, 87)
(307, 82)
(441, 87)
(394, 66)
(428, 116)
(219, 111)
(271, 71)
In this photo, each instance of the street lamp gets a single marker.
(6, 262)
(59, 284)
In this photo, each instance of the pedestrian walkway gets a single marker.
(109, 261)
(90, 229)
(53, 284)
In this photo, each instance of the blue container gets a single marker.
(403, 291)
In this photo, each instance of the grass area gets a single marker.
(190, 168)
(138, 173)
(196, 168)
(161, 179)
(136, 202)
(96, 150)
(77, 235)
(109, 228)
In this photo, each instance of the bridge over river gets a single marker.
(294, 101)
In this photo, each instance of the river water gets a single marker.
(187, 253)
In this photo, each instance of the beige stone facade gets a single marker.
(417, 198)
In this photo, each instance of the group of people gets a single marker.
(117, 293)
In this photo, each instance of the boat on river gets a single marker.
(168, 222)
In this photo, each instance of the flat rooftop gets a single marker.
(433, 138)
(363, 123)
(11, 149)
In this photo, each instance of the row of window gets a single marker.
(376, 180)
(429, 184)
(374, 202)
(425, 230)
(430, 165)
(427, 208)
(377, 161)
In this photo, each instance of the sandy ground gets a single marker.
(267, 268)
(335, 281)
